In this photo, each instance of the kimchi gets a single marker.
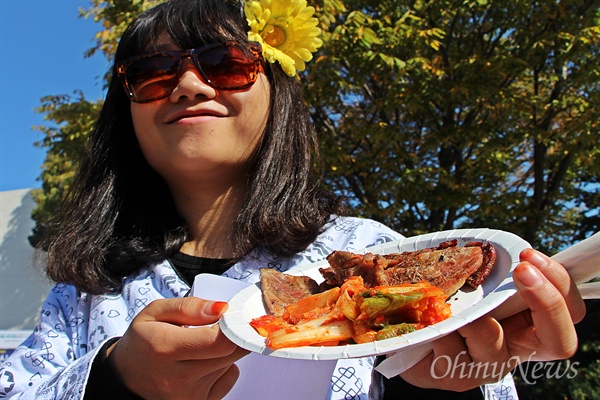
(354, 313)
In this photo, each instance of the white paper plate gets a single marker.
(467, 304)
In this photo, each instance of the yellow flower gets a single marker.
(286, 29)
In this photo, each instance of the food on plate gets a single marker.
(367, 297)
(354, 313)
(280, 290)
(446, 266)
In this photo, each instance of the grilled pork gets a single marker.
(280, 290)
(446, 266)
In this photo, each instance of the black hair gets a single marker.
(119, 215)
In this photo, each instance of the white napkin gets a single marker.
(582, 260)
(402, 360)
(590, 290)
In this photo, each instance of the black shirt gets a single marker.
(187, 267)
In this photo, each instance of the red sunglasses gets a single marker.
(226, 66)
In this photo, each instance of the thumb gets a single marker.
(190, 311)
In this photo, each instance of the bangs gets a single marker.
(189, 23)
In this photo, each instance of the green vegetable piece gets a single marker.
(391, 331)
(386, 303)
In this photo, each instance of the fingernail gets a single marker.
(530, 276)
(536, 258)
(215, 308)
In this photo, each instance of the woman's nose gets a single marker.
(191, 84)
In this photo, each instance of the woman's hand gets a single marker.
(158, 357)
(543, 331)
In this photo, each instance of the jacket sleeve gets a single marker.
(52, 363)
(102, 383)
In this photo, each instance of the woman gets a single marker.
(202, 161)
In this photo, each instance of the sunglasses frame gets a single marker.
(192, 54)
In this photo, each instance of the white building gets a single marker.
(23, 286)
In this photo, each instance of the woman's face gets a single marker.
(201, 134)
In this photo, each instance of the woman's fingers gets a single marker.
(558, 277)
(224, 382)
(173, 359)
(546, 330)
(543, 331)
(473, 355)
(170, 319)
(190, 311)
(183, 343)
(485, 340)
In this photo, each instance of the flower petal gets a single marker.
(286, 29)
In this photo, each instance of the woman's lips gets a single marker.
(195, 119)
(194, 116)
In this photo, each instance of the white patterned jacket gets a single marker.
(55, 361)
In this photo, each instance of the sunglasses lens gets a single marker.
(228, 67)
(153, 77)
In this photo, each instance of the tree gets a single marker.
(65, 142)
(433, 115)
(72, 117)
(446, 114)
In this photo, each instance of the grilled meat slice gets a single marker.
(489, 260)
(447, 266)
(344, 264)
(280, 290)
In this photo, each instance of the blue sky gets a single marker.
(42, 46)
